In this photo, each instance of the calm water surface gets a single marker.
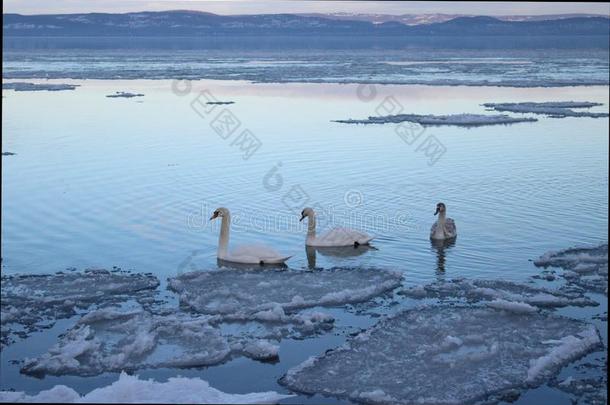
(102, 182)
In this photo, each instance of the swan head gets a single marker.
(440, 208)
(307, 212)
(219, 212)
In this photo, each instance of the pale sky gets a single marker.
(296, 6)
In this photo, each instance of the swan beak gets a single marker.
(214, 216)
(302, 218)
(437, 210)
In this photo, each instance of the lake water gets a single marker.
(102, 182)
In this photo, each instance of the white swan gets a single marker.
(335, 237)
(444, 228)
(249, 254)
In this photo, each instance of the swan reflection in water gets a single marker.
(335, 251)
(439, 246)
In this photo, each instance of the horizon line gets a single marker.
(345, 14)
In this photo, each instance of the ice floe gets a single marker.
(555, 109)
(128, 389)
(464, 120)
(112, 340)
(25, 86)
(585, 267)
(446, 354)
(220, 102)
(30, 302)
(124, 94)
(506, 294)
(590, 391)
(268, 295)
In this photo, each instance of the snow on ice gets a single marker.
(464, 120)
(177, 390)
(112, 340)
(585, 267)
(555, 109)
(35, 301)
(124, 94)
(513, 296)
(269, 295)
(25, 86)
(446, 354)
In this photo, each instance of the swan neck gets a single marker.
(441, 217)
(223, 239)
(440, 226)
(311, 228)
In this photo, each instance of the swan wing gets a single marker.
(450, 229)
(256, 253)
(433, 228)
(342, 237)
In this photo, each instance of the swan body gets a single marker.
(246, 254)
(444, 228)
(335, 237)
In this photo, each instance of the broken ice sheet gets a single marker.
(555, 109)
(461, 120)
(177, 390)
(266, 295)
(445, 354)
(113, 340)
(585, 267)
(30, 301)
(25, 86)
(485, 290)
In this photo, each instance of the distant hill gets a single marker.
(416, 19)
(192, 23)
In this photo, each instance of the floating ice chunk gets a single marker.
(124, 94)
(564, 350)
(464, 120)
(177, 390)
(589, 390)
(445, 354)
(109, 340)
(517, 307)
(29, 300)
(261, 350)
(268, 295)
(555, 109)
(585, 267)
(220, 102)
(24, 86)
(504, 291)
(376, 396)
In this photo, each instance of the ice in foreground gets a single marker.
(111, 340)
(585, 267)
(463, 120)
(555, 109)
(268, 295)
(177, 390)
(486, 290)
(30, 301)
(446, 354)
